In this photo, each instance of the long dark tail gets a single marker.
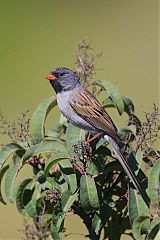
(127, 169)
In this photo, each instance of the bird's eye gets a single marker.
(61, 74)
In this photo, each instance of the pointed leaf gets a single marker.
(31, 208)
(137, 206)
(63, 184)
(139, 159)
(127, 129)
(100, 143)
(55, 232)
(39, 116)
(58, 216)
(22, 193)
(73, 135)
(157, 237)
(7, 151)
(46, 146)
(108, 102)
(137, 226)
(154, 184)
(88, 193)
(53, 183)
(10, 182)
(56, 130)
(69, 175)
(47, 218)
(57, 223)
(154, 232)
(2, 173)
(52, 161)
(67, 200)
(96, 223)
(92, 169)
(128, 105)
(113, 92)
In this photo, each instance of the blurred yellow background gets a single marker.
(39, 35)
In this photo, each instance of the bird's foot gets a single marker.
(93, 138)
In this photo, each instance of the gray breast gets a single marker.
(63, 99)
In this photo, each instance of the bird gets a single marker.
(81, 108)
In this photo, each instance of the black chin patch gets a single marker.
(56, 85)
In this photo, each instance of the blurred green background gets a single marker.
(39, 35)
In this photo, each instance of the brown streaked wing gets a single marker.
(87, 106)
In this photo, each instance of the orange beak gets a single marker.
(50, 77)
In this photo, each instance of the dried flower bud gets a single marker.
(52, 195)
(83, 151)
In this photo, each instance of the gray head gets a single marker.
(62, 79)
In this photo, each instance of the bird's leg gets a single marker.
(94, 137)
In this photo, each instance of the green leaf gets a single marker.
(100, 143)
(139, 159)
(7, 151)
(56, 130)
(132, 128)
(68, 174)
(92, 169)
(67, 200)
(128, 129)
(154, 184)
(39, 116)
(137, 226)
(63, 184)
(96, 222)
(73, 135)
(58, 216)
(10, 182)
(53, 183)
(2, 173)
(54, 230)
(113, 92)
(47, 218)
(57, 223)
(154, 232)
(31, 208)
(12, 174)
(46, 146)
(52, 161)
(157, 237)
(22, 193)
(88, 193)
(128, 105)
(137, 206)
(108, 102)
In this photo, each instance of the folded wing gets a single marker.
(87, 107)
